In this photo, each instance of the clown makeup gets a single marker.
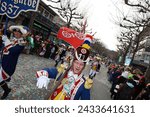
(78, 66)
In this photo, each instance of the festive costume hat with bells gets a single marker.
(82, 52)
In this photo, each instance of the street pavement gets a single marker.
(101, 86)
(23, 83)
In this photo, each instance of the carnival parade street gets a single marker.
(73, 50)
(23, 83)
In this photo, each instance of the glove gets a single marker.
(88, 83)
(42, 81)
(6, 41)
(4, 38)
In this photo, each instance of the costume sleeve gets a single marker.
(52, 72)
(85, 95)
(16, 50)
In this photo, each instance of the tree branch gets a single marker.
(136, 5)
(58, 1)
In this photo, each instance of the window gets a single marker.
(46, 14)
(51, 17)
(40, 10)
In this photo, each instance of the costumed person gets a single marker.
(72, 85)
(61, 54)
(43, 48)
(11, 52)
(67, 61)
(94, 68)
(30, 44)
(145, 93)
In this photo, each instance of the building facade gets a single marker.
(144, 54)
(40, 22)
(142, 57)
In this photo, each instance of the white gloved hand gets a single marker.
(4, 37)
(6, 41)
(42, 81)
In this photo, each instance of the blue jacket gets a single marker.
(78, 93)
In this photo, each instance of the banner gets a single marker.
(72, 37)
(12, 8)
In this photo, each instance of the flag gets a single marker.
(71, 36)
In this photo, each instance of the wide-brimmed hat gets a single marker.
(22, 29)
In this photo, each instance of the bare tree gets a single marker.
(67, 9)
(139, 26)
(98, 47)
(126, 40)
(144, 7)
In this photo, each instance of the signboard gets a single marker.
(12, 8)
(127, 61)
(120, 58)
(72, 37)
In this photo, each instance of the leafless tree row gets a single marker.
(69, 11)
(135, 29)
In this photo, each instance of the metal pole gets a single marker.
(6, 24)
(1, 18)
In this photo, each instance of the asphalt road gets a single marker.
(101, 86)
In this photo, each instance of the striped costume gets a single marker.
(71, 88)
(10, 56)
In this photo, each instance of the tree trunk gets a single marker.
(123, 58)
(69, 22)
(125, 54)
(135, 50)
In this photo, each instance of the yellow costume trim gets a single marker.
(61, 68)
(86, 46)
(88, 83)
(60, 96)
(94, 67)
(64, 81)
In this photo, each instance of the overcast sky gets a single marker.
(101, 17)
